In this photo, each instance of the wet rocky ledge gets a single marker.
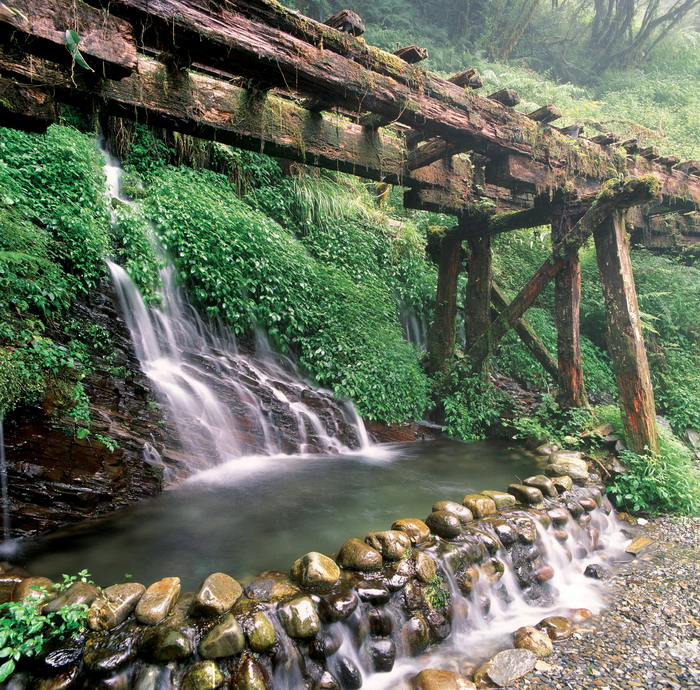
(396, 593)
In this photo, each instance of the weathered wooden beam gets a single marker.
(432, 150)
(625, 341)
(526, 333)
(631, 146)
(567, 319)
(412, 54)
(545, 114)
(649, 152)
(605, 139)
(689, 167)
(506, 97)
(441, 336)
(346, 21)
(468, 79)
(477, 299)
(212, 109)
(106, 42)
(668, 161)
(25, 107)
(622, 194)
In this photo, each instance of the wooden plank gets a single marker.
(25, 107)
(212, 109)
(477, 299)
(412, 54)
(347, 21)
(625, 340)
(506, 97)
(526, 333)
(441, 337)
(622, 194)
(545, 114)
(106, 42)
(567, 318)
(468, 79)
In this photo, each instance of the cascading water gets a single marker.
(4, 492)
(225, 404)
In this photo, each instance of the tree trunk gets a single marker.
(477, 302)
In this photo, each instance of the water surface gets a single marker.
(261, 513)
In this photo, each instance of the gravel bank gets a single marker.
(649, 636)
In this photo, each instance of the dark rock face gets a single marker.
(56, 478)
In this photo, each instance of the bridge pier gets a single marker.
(625, 341)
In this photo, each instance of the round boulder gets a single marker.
(444, 524)
(417, 530)
(534, 640)
(356, 555)
(462, 512)
(315, 570)
(392, 544)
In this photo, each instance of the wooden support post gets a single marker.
(477, 302)
(527, 334)
(625, 341)
(567, 318)
(441, 338)
(622, 194)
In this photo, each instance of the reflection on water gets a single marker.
(262, 513)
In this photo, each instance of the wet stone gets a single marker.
(574, 508)
(526, 529)
(224, 639)
(560, 534)
(500, 498)
(413, 596)
(414, 635)
(585, 519)
(250, 675)
(356, 555)
(544, 573)
(544, 484)
(36, 587)
(158, 600)
(339, 606)
(272, 586)
(485, 540)
(417, 530)
(505, 667)
(381, 624)
(204, 675)
(479, 505)
(534, 640)
(462, 512)
(436, 679)
(557, 627)
(373, 592)
(580, 615)
(426, 567)
(315, 570)
(444, 524)
(78, 593)
(8, 583)
(392, 544)
(261, 635)
(68, 653)
(107, 653)
(546, 449)
(526, 494)
(573, 456)
(559, 516)
(383, 655)
(563, 483)
(587, 503)
(578, 474)
(217, 595)
(597, 571)
(325, 644)
(326, 682)
(63, 680)
(505, 533)
(114, 605)
(348, 674)
(164, 644)
(299, 618)
(438, 625)
(493, 570)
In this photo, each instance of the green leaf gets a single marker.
(6, 669)
(72, 40)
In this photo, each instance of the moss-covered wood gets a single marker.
(625, 340)
(477, 300)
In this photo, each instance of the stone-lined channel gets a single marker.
(445, 592)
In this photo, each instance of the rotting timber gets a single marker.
(254, 74)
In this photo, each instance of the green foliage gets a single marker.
(25, 630)
(554, 423)
(57, 179)
(471, 403)
(437, 595)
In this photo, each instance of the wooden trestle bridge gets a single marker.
(256, 75)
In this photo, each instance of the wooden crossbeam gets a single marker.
(506, 97)
(468, 79)
(106, 42)
(412, 54)
(624, 194)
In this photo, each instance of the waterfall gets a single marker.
(225, 404)
(4, 493)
